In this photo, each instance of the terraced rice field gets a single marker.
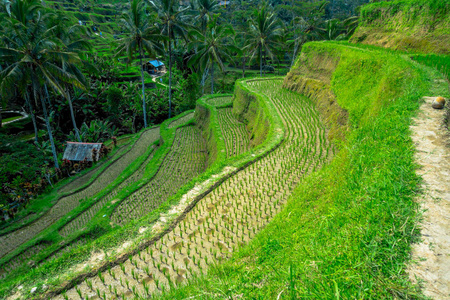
(21, 258)
(234, 132)
(220, 101)
(84, 218)
(66, 204)
(186, 159)
(181, 120)
(82, 180)
(228, 216)
(80, 241)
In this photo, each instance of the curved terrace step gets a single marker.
(66, 204)
(229, 215)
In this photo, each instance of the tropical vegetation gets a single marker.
(274, 193)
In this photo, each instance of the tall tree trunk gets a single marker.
(170, 77)
(278, 63)
(72, 115)
(1, 105)
(33, 117)
(265, 63)
(260, 62)
(143, 87)
(49, 129)
(243, 66)
(203, 81)
(212, 78)
(296, 45)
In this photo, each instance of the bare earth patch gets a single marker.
(433, 253)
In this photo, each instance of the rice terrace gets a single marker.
(224, 149)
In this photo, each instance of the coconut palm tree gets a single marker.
(172, 22)
(71, 37)
(263, 34)
(212, 47)
(140, 35)
(30, 53)
(22, 12)
(204, 12)
(331, 30)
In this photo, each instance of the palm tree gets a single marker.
(241, 41)
(172, 18)
(22, 11)
(31, 53)
(212, 47)
(331, 31)
(205, 10)
(140, 35)
(72, 40)
(263, 34)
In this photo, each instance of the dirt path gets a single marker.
(432, 255)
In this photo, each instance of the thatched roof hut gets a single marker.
(81, 151)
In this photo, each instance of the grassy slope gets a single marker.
(409, 25)
(347, 230)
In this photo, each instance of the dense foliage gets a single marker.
(345, 231)
(24, 168)
(56, 64)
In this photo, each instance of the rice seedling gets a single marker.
(181, 121)
(186, 160)
(80, 294)
(146, 288)
(242, 205)
(220, 101)
(89, 284)
(236, 136)
(101, 277)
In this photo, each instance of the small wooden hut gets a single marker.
(82, 151)
(155, 66)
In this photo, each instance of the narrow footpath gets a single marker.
(431, 257)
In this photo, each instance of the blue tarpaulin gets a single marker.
(156, 63)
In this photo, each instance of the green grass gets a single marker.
(408, 25)
(439, 62)
(434, 9)
(346, 231)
